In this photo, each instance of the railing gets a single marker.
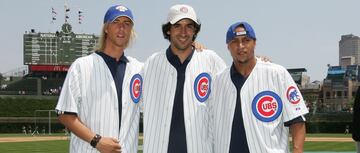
(18, 72)
(28, 119)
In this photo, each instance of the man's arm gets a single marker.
(73, 123)
(298, 132)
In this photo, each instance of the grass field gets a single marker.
(22, 135)
(61, 146)
(330, 146)
(338, 135)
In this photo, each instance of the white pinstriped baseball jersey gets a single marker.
(159, 86)
(89, 90)
(269, 97)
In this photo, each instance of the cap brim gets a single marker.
(121, 16)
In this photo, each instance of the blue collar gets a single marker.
(174, 59)
(108, 58)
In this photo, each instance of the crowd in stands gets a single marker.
(29, 86)
(52, 91)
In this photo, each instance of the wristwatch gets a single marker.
(95, 140)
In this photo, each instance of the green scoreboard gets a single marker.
(60, 48)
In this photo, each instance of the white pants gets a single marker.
(358, 146)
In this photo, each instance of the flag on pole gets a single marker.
(53, 13)
(67, 9)
(80, 16)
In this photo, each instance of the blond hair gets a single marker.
(103, 36)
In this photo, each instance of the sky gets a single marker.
(294, 34)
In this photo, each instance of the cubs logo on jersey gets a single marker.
(267, 106)
(292, 95)
(202, 85)
(135, 88)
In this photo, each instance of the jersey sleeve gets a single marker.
(144, 68)
(138, 68)
(293, 101)
(70, 93)
(219, 64)
(212, 104)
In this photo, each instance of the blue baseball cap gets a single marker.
(117, 11)
(231, 33)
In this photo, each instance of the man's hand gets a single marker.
(198, 47)
(108, 145)
(264, 58)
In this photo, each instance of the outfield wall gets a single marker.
(17, 111)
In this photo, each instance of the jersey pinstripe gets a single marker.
(89, 91)
(158, 98)
(265, 136)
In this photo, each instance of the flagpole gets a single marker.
(67, 9)
(53, 18)
(80, 16)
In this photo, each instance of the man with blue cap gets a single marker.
(254, 103)
(98, 101)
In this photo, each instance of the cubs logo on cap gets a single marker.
(202, 86)
(117, 11)
(136, 88)
(267, 106)
(184, 9)
(292, 95)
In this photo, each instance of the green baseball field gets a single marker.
(59, 143)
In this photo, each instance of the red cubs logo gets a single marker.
(135, 88)
(292, 95)
(184, 9)
(267, 106)
(202, 86)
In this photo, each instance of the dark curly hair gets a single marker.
(166, 27)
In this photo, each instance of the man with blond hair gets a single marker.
(98, 101)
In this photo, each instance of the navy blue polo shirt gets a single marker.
(238, 142)
(117, 69)
(177, 137)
